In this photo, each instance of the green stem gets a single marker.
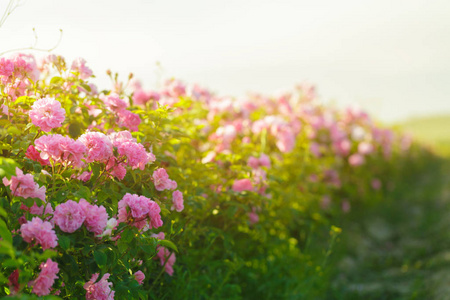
(161, 272)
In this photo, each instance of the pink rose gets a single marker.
(242, 185)
(139, 276)
(162, 181)
(177, 200)
(46, 113)
(167, 258)
(143, 212)
(79, 65)
(99, 146)
(24, 186)
(45, 280)
(100, 290)
(69, 216)
(40, 232)
(96, 217)
(356, 160)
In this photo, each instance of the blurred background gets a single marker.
(390, 58)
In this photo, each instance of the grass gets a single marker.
(400, 248)
(433, 131)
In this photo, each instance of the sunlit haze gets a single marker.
(389, 57)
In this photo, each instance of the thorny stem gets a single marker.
(106, 171)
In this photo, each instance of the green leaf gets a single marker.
(142, 294)
(8, 167)
(127, 235)
(75, 130)
(3, 279)
(57, 80)
(24, 101)
(49, 253)
(29, 125)
(4, 232)
(100, 258)
(3, 212)
(169, 244)
(64, 242)
(5, 146)
(85, 86)
(148, 249)
(28, 202)
(7, 248)
(95, 168)
(84, 192)
(13, 130)
(10, 263)
(102, 196)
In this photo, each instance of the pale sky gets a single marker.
(389, 57)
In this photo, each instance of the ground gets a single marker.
(399, 248)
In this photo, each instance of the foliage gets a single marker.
(264, 180)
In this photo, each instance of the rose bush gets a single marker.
(131, 193)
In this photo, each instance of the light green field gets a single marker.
(433, 131)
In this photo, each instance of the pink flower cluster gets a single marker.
(24, 186)
(61, 149)
(99, 146)
(46, 62)
(25, 66)
(125, 118)
(139, 276)
(38, 210)
(166, 258)
(39, 232)
(46, 279)
(161, 180)
(6, 67)
(100, 290)
(85, 176)
(33, 154)
(16, 74)
(79, 66)
(46, 113)
(262, 161)
(128, 119)
(69, 216)
(139, 211)
(113, 102)
(356, 159)
(172, 90)
(140, 96)
(116, 168)
(242, 185)
(253, 217)
(177, 200)
(284, 131)
(96, 217)
(136, 155)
